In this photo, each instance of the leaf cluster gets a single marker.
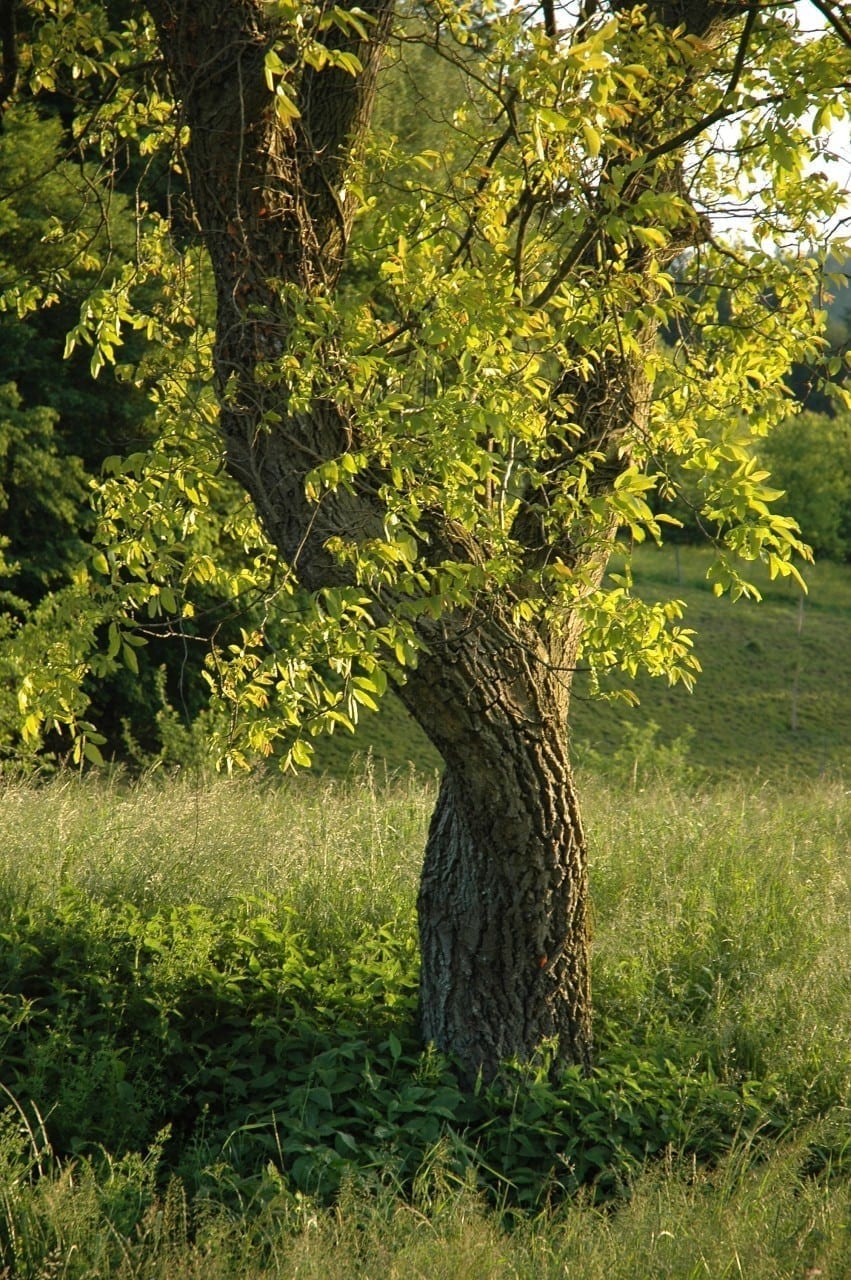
(527, 347)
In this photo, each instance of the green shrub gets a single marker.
(809, 455)
(258, 1049)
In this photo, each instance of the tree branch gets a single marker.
(840, 26)
(721, 112)
(586, 237)
(495, 151)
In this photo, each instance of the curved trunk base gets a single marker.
(503, 923)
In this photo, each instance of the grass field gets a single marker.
(207, 1021)
(210, 1065)
(774, 695)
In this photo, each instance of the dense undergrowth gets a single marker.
(208, 1013)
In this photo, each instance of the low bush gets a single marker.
(255, 1048)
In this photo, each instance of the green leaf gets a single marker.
(285, 108)
(301, 753)
(273, 69)
(92, 753)
(593, 141)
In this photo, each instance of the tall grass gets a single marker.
(762, 1223)
(726, 913)
(722, 969)
(332, 848)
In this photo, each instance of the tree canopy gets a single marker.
(575, 198)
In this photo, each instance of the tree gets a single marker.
(442, 384)
(810, 457)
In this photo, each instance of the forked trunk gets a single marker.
(503, 899)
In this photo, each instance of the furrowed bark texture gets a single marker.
(504, 892)
(268, 194)
(503, 896)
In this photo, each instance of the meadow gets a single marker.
(210, 1062)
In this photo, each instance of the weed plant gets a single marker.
(208, 1029)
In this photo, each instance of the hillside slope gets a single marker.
(774, 694)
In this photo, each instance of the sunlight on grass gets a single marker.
(254, 942)
(332, 846)
(763, 1222)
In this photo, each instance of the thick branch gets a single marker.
(836, 20)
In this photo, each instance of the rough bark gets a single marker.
(504, 894)
(503, 921)
(267, 196)
(502, 916)
(503, 897)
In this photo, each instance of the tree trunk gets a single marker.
(502, 919)
(503, 897)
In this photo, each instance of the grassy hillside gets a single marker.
(774, 695)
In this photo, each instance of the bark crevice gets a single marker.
(502, 905)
